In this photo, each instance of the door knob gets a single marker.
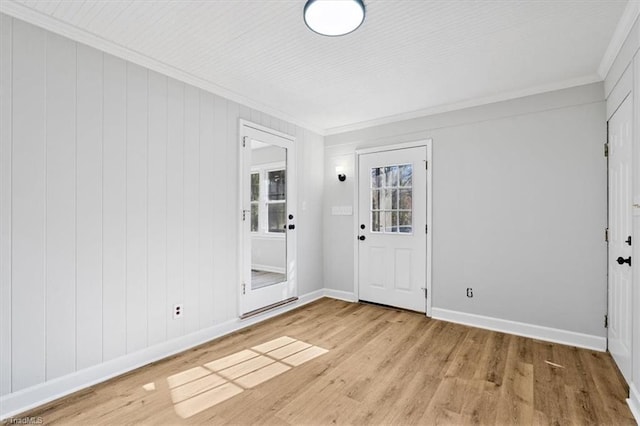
(628, 240)
(621, 260)
(362, 238)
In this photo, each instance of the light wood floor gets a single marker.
(384, 366)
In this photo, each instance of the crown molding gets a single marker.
(566, 84)
(625, 24)
(34, 17)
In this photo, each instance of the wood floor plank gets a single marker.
(197, 386)
(273, 344)
(252, 380)
(549, 380)
(206, 400)
(245, 367)
(231, 360)
(304, 356)
(187, 376)
(288, 350)
(515, 404)
(382, 366)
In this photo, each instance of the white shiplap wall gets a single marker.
(118, 199)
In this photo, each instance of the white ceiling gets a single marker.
(408, 55)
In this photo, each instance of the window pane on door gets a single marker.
(405, 225)
(391, 203)
(255, 186)
(389, 222)
(255, 199)
(375, 221)
(406, 173)
(405, 199)
(277, 185)
(391, 176)
(277, 217)
(376, 177)
(375, 199)
(385, 202)
(254, 217)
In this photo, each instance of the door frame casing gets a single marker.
(245, 126)
(615, 248)
(428, 144)
(620, 92)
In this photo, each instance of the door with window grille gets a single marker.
(392, 228)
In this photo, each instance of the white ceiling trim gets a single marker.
(627, 20)
(594, 78)
(52, 24)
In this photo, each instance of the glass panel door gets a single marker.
(268, 215)
(268, 211)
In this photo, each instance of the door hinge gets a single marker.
(244, 141)
(606, 235)
(606, 149)
(425, 291)
(606, 321)
(244, 215)
(244, 288)
(426, 165)
(426, 229)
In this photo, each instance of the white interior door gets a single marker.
(620, 212)
(392, 228)
(268, 208)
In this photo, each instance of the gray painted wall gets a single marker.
(519, 207)
(118, 199)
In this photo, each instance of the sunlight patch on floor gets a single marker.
(199, 388)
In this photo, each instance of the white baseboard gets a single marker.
(347, 296)
(634, 401)
(26, 399)
(555, 335)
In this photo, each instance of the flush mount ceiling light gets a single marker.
(333, 17)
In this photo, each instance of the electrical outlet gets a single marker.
(177, 311)
(469, 292)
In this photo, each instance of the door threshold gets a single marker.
(268, 308)
(396, 308)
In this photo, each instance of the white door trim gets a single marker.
(246, 127)
(246, 123)
(620, 92)
(415, 144)
(428, 143)
(619, 302)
